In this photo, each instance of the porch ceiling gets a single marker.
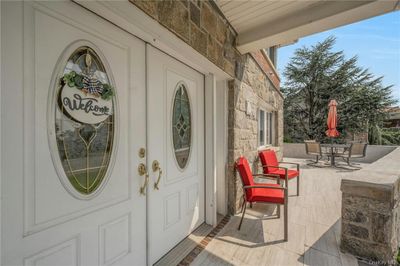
(265, 23)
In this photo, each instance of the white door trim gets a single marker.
(222, 147)
(210, 149)
(131, 19)
(1, 82)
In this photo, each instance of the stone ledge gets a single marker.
(379, 180)
(371, 209)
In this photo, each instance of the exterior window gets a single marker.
(265, 128)
(181, 126)
(84, 121)
(261, 123)
(271, 52)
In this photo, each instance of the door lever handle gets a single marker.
(143, 172)
(156, 167)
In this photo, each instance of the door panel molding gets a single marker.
(35, 122)
(169, 207)
(113, 234)
(54, 254)
(172, 74)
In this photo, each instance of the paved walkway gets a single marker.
(314, 228)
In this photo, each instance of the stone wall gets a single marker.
(266, 65)
(257, 90)
(371, 211)
(198, 23)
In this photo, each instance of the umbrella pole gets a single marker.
(332, 155)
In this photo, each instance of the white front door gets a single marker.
(55, 211)
(175, 104)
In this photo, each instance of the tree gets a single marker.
(317, 74)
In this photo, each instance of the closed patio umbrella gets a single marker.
(332, 124)
(332, 120)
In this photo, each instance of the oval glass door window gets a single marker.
(84, 121)
(181, 126)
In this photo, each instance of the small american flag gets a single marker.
(92, 85)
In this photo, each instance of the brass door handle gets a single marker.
(143, 172)
(156, 167)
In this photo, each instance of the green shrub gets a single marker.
(390, 136)
(398, 257)
(375, 135)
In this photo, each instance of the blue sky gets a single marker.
(375, 41)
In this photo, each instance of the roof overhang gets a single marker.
(262, 24)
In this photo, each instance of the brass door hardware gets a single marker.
(143, 172)
(142, 152)
(156, 167)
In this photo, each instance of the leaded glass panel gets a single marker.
(84, 120)
(181, 126)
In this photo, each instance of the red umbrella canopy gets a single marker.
(332, 120)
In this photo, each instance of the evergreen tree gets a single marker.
(317, 74)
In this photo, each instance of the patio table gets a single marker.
(333, 150)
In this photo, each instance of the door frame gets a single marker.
(131, 19)
(1, 178)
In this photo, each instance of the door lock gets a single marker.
(142, 152)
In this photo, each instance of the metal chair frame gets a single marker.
(348, 156)
(317, 156)
(285, 204)
(286, 174)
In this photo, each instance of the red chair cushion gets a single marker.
(281, 173)
(268, 194)
(268, 158)
(243, 167)
(257, 194)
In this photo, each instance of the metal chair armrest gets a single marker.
(289, 163)
(345, 155)
(278, 167)
(266, 186)
(267, 176)
(297, 164)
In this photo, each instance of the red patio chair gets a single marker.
(261, 192)
(271, 165)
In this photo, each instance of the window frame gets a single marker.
(268, 131)
(261, 132)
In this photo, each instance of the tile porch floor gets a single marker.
(314, 228)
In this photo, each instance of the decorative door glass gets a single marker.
(181, 126)
(84, 120)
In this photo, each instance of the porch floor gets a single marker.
(314, 227)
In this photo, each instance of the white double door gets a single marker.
(44, 224)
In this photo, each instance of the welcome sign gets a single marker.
(84, 98)
(85, 107)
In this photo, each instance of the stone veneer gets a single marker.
(254, 87)
(371, 210)
(198, 23)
